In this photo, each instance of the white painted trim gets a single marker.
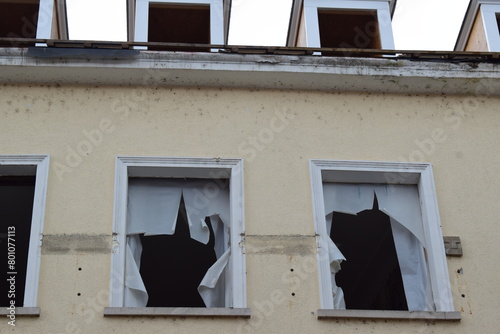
(41, 162)
(216, 18)
(51, 15)
(488, 14)
(181, 167)
(383, 15)
(393, 173)
(45, 18)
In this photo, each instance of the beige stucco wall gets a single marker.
(477, 37)
(201, 122)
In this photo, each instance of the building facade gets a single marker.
(260, 158)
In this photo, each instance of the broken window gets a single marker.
(177, 243)
(371, 278)
(379, 237)
(18, 19)
(385, 260)
(16, 207)
(178, 229)
(348, 29)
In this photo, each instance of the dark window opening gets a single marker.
(18, 19)
(498, 21)
(370, 277)
(172, 266)
(348, 29)
(179, 24)
(16, 208)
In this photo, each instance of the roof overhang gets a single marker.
(290, 72)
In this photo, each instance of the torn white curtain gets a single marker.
(153, 205)
(401, 203)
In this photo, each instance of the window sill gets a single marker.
(393, 315)
(177, 312)
(22, 311)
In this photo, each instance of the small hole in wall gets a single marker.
(79, 269)
(291, 269)
(78, 294)
(463, 296)
(293, 293)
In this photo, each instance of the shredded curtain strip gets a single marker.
(401, 203)
(153, 205)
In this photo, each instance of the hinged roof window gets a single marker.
(342, 24)
(480, 30)
(179, 21)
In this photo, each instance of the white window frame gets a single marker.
(173, 167)
(488, 15)
(419, 174)
(311, 22)
(37, 165)
(51, 15)
(216, 18)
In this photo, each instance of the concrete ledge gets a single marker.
(394, 315)
(177, 312)
(22, 311)
(192, 69)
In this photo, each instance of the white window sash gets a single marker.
(488, 15)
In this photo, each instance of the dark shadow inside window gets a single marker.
(348, 29)
(498, 21)
(172, 266)
(179, 24)
(16, 208)
(18, 20)
(370, 277)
